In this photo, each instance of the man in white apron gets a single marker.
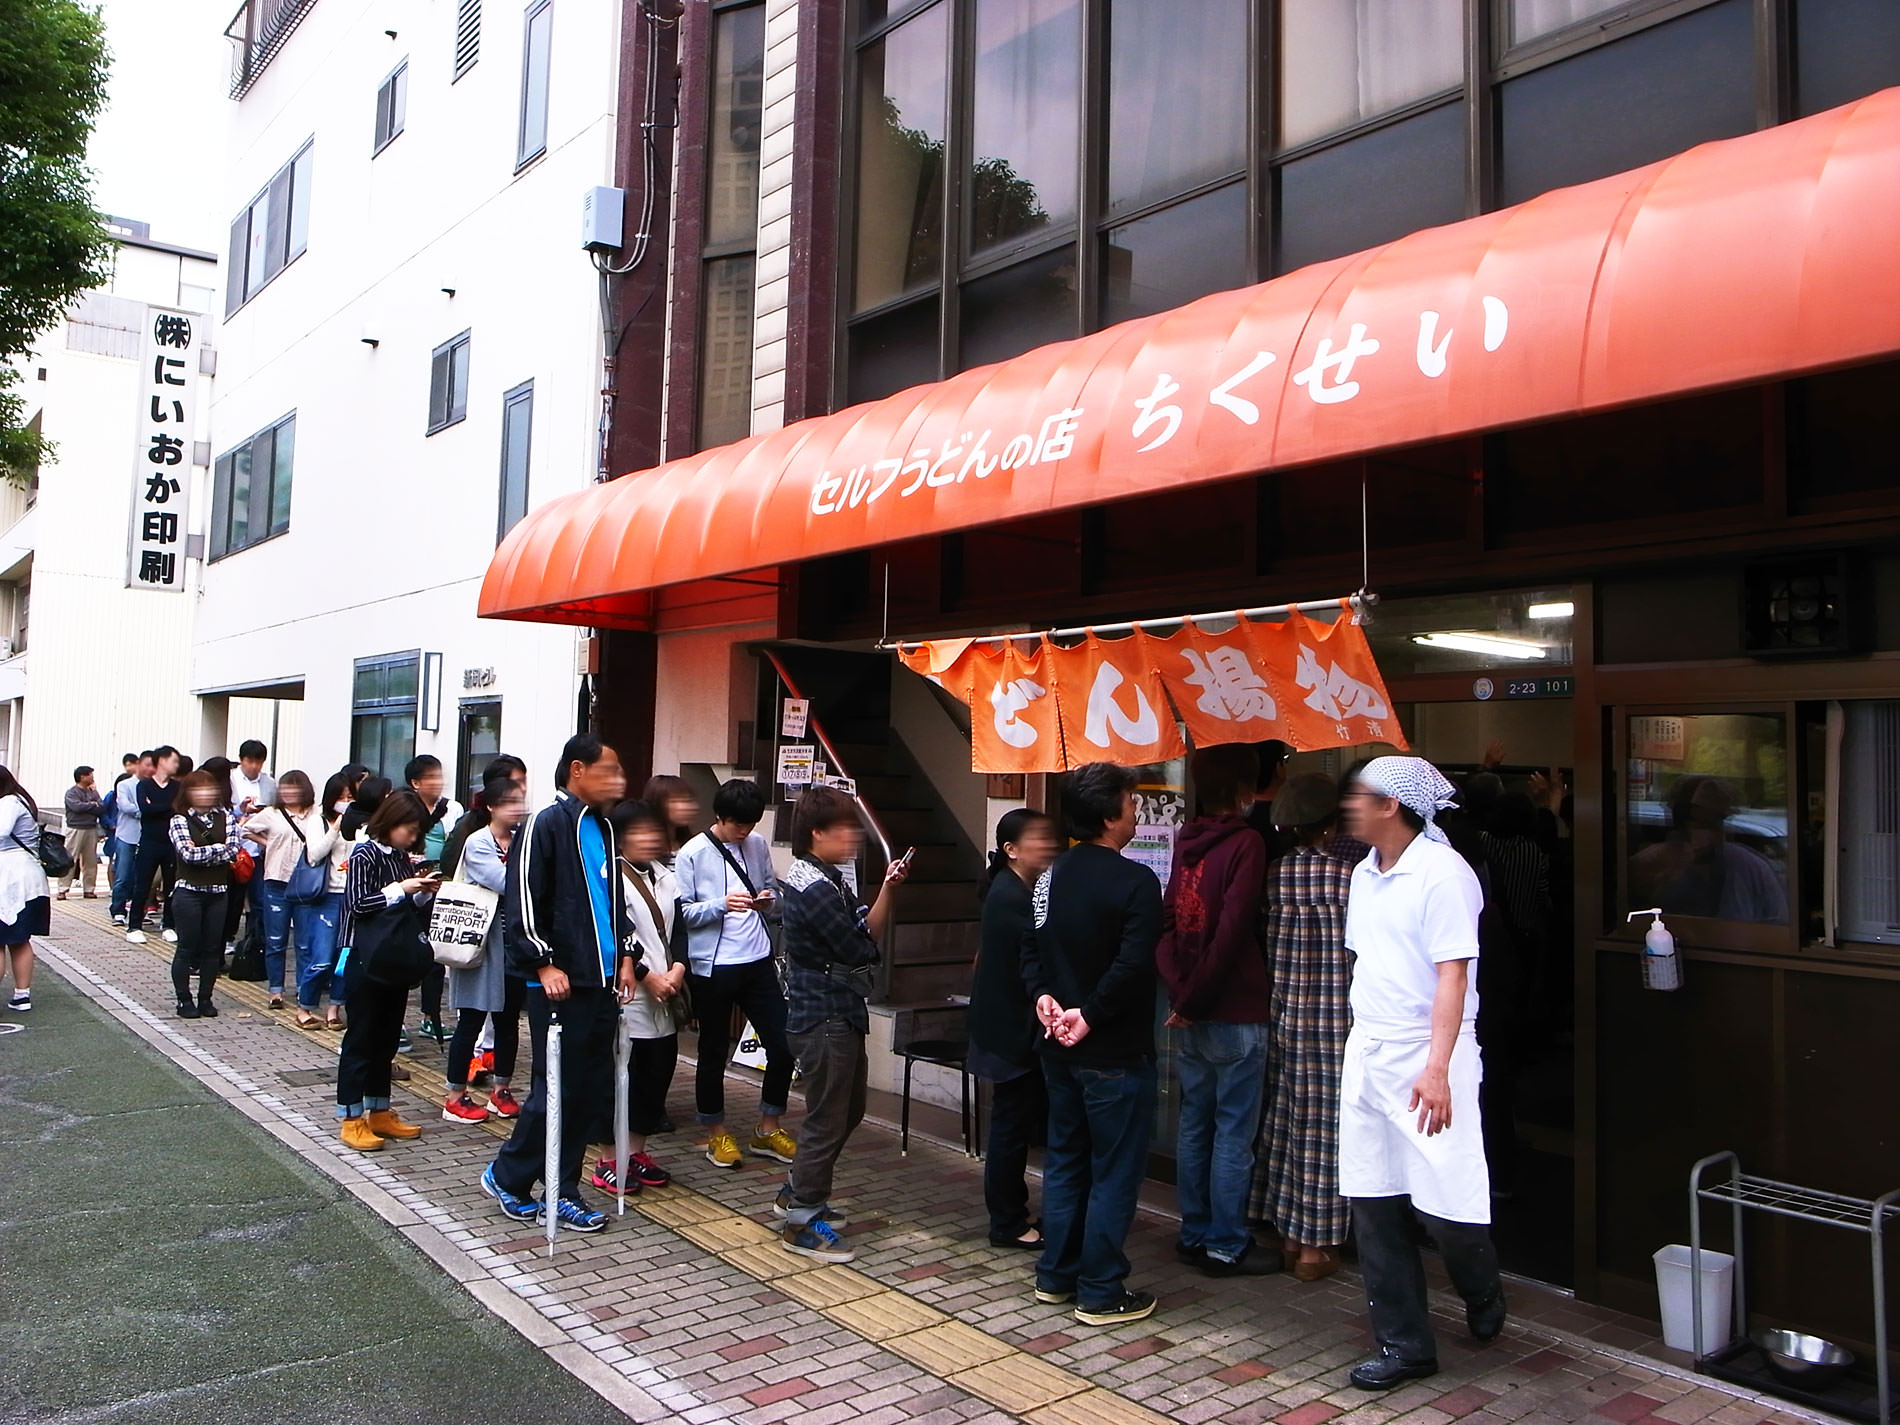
(1411, 1146)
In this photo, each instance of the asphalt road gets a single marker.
(161, 1260)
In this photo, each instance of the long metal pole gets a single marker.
(1360, 602)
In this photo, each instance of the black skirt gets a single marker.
(36, 918)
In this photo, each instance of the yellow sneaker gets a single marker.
(385, 1123)
(722, 1149)
(359, 1135)
(778, 1144)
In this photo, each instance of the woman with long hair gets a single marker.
(382, 883)
(205, 841)
(672, 800)
(1002, 1020)
(26, 906)
(477, 852)
(294, 828)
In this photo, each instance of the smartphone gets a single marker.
(425, 868)
(909, 851)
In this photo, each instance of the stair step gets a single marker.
(928, 942)
(910, 983)
(909, 826)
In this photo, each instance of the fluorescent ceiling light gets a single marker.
(1490, 644)
(1563, 610)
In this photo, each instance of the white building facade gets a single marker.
(409, 359)
(92, 661)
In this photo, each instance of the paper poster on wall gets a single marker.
(1153, 847)
(796, 716)
(795, 764)
(1656, 739)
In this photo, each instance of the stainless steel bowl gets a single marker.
(1804, 1361)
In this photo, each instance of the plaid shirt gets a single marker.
(824, 925)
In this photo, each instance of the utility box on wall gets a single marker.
(1805, 607)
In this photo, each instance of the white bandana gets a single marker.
(1414, 783)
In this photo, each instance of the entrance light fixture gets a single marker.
(1492, 645)
(1565, 609)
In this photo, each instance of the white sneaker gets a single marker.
(135, 937)
(170, 937)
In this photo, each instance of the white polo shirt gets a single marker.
(1402, 924)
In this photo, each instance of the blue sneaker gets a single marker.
(818, 1240)
(515, 1209)
(577, 1216)
(782, 1207)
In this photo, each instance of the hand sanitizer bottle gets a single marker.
(1662, 970)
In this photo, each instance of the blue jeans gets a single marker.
(1223, 1071)
(122, 866)
(315, 926)
(1100, 1120)
(273, 913)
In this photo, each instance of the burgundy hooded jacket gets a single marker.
(1210, 957)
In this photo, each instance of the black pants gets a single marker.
(588, 1019)
(1388, 1230)
(200, 951)
(468, 1028)
(1019, 1116)
(754, 989)
(154, 859)
(369, 1043)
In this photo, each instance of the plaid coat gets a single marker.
(1296, 1173)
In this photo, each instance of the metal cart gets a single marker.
(1744, 1190)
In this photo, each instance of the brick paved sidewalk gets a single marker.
(686, 1308)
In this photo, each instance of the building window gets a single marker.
(250, 489)
(468, 36)
(270, 233)
(903, 126)
(1025, 113)
(730, 253)
(448, 383)
(1156, 150)
(1869, 841)
(392, 100)
(1341, 65)
(517, 423)
(22, 601)
(1531, 19)
(537, 36)
(383, 712)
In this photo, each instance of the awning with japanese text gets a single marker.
(1036, 706)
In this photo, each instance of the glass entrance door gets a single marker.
(477, 743)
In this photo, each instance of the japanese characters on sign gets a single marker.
(1307, 683)
(793, 717)
(795, 764)
(162, 451)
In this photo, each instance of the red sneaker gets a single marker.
(605, 1180)
(503, 1103)
(646, 1172)
(463, 1109)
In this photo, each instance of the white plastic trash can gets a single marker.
(1678, 1307)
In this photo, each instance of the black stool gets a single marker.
(947, 1054)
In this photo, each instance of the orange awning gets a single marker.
(1754, 258)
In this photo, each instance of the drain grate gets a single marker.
(305, 1078)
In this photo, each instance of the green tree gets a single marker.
(52, 244)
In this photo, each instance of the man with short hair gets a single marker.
(154, 814)
(1411, 1143)
(1089, 963)
(125, 831)
(564, 931)
(1215, 969)
(726, 895)
(831, 955)
(252, 788)
(83, 805)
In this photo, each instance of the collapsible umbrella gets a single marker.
(551, 1165)
(623, 1054)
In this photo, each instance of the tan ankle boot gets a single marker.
(359, 1135)
(385, 1123)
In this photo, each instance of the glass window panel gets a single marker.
(280, 477)
(276, 240)
(894, 351)
(725, 361)
(534, 83)
(1026, 306)
(402, 679)
(1372, 189)
(300, 200)
(517, 423)
(240, 508)
(220, 503)
(876, 12)
(1023, 119)
(1164, 136)
(1707, 808)
(901, 129)
(263, 462)
(732, 181)
(1844, 50)
(458, 381)
(1343, 61)
(1176, 255)
(1628, 103)
(238, 251)
(1531, 18)
(368, 685)
(256, 254)
(439, 388)
(1870, 829)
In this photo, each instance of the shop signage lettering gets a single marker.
(162, 448)
(968, 457)
(478, 677)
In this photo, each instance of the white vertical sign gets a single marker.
(161, 463)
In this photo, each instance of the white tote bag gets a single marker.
(459, 925)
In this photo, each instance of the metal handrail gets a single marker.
(836, 763)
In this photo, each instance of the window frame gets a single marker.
(386, 707)
(518, 396)
(451, 414)
(218, 526)
(1510, 58)
(292, 229)
(713, 253)
(535, 10)
(392, 107)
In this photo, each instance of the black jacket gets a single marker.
(1002, 1016)
(1096, 917)
(550, 920)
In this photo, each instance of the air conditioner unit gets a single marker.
(6, 648)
